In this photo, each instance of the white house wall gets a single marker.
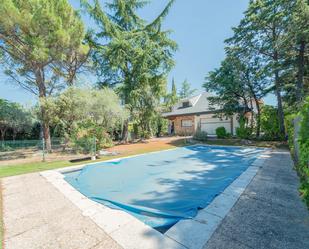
(235, 123)
(210, 123)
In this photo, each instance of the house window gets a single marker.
(185, 104)
(186, 123)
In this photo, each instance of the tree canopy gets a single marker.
(185, 90)
(14, 118)
(81, 113)
(41, 44)
(132, 55)
(267, 53)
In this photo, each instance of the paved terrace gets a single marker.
(269, 214)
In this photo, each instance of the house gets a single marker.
(188, 114)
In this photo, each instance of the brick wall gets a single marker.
(179, 130)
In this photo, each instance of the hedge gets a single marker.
(302, 165)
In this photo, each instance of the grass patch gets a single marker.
(1, 218)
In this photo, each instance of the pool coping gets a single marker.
(129, 232)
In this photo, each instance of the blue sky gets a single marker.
(199, 27)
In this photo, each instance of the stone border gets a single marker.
(131, 233)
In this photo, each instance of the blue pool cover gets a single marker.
(164, 187)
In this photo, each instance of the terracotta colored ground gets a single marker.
(148, 145)
(22, 156)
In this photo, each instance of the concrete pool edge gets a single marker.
(130, 232)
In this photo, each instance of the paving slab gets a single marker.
(194, 233)
(37, 215)
(269, 214)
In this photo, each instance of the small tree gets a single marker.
(83, 114)
(5, 111)
(20, 120)
(171, 98)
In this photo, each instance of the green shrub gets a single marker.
(82, 138)
(289, 125)
(83, 144)
(5, 148)
(270, 124)
(242, 131)
(221, 132)
(302, 166)
(303, 140)
(200, 135)
(304, 134)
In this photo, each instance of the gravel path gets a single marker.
(269, 214)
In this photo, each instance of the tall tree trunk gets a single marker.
(46, 134)
(258, 118)
(232, 125)
(14, 135)
(258, 107)
(125, 131)
(300, 74)
(3, 131)
(279, 98)
(252, 115)
(39, 74)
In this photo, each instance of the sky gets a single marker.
(199, 28)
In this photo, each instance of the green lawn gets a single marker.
(1, 218)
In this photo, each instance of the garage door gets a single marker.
(211, 124)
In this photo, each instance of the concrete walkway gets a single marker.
(37, 216)
(269, 214)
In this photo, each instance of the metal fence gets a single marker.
(11, 145)
(22, 151)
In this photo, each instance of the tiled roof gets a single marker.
(198, 104)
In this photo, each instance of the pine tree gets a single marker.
(37, 38)
(173, 95)
(262, 31)
(298, 39)
(185, 90)
(134, 57)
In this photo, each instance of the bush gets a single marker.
(242, 131)
(270, 124)
(221, 132)
(289, 125)
(302, 166)
(5, 148)
(200, 136)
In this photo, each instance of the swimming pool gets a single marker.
(164, 187)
